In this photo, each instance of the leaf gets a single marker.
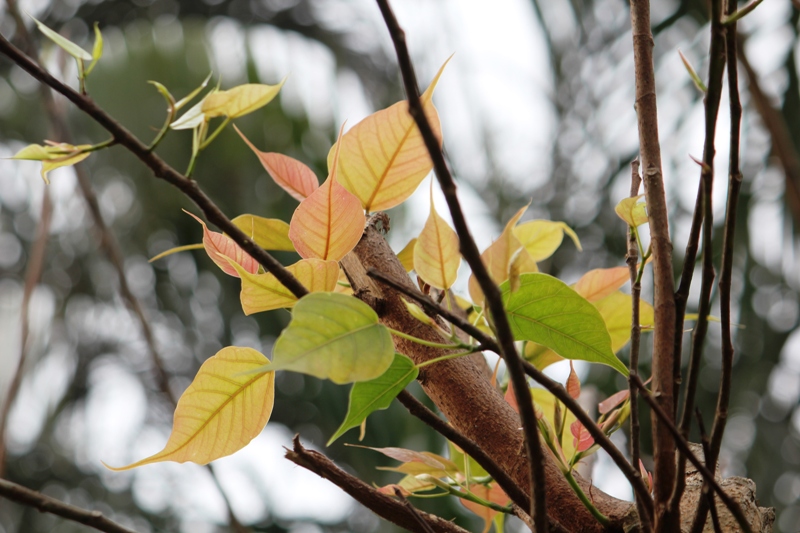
(240, 100)
(573, 383)
(290, 174)
(68, 46)
(54, 155)
(416, 311)
(540, 356)
(612, 401)
(223, 409)
(633, 212)
(336, 337)
(176, 249)
(436, 255)
(369, 396)
(268, 233)
(222, 250)
(97, 49)
(541, 238)
(546, 311)
(263, 292)
(497, 258)
(582, 440)
(189, 97)
(329, 223)
(193, 117)
(465, 463)
(383, 157)
(406, 255)
(600, 282)
(492, 493)
(616, 312)
(426, 462)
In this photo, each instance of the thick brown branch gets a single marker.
(46, 504)
(384, 506)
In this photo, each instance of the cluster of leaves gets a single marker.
(377, 165)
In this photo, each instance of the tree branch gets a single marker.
(384, 506)
(46, 504)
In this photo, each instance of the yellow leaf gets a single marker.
(406, 255)
(497, 258)
(268, 233)
(223, 251)
(65, 161)
(223, 409)
(600, 282)
(343, 284)
(616, 312)
(290, 174)
(383, 158)
(263, 292)
(436, 255)
(329, 223)
(492, 493)
(240, 100)
(633, 212)
(546, 402)
(54, 155)
(540, 356)
(543, 237)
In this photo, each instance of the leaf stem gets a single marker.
(427, 343)
(448, 356)
(216, 132)
(600, 517)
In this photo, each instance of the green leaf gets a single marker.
(334, 336)
(632, 211)
(69, 47)
(376, 394)
(240, 100)
(547, 311)
(97, 50)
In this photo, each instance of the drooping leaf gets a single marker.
(268, 233)
(408, 485)
(491, 493)
(600, 282)
(54, 156)
(383, 157)
(541, 238)
(290, 174)
(436, 255)
(263, 292)
(222, 250)
(68, 46)
(329, 223)
(223, 409)
(369, 396)
(240, 100)
(406, 255)
(632, 211)
(336, 337)
(616, 312)
(582, 440)
(497, 258)
(416, 463)
(546, 311)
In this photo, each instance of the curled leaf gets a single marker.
(54, 155)
(97, 49)
(223, 409)
(240, 100)
(632, 211)
(222, 250)
(541, 238)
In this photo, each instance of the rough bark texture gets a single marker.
(462, 393)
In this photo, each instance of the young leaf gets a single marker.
(490, 493)
(600, 282)
(68, 46)
(573, 383)
(465, 463)
(546, 311)
(383, 157)
(222, 250)
(406, 255)
(223, 409)
(369, 396)
(616, 312)
(193, 118)
(290, 174)
(336, 337)
(582, 440)
(497, 258)
(436, 255)
(241, 100)
(541, 238)
(426, 462)
(54, 156)
(546, 403)
(613, 401)
(329, 223)
(263, 292)
(632, 211)
(268, 233)
(97, 50)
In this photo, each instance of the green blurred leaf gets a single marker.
(68, 46)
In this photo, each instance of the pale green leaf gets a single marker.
(375, 394)
(97, 50)
(193, 118)
(541, 238)
(69, 47)
(632, 211)
(547, 311)
(240, 100)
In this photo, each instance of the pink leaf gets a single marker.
(582, 439)
(573, 383)
(612, 401)
(221, 248)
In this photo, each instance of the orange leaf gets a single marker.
(263, 292)
(224, 408)
(612, 401)
(290, 174)
(600, 282)
(436, 256)
(329, 223)
(492, 494)
(383, 157)
(573, 383)
(222, 250)
(498, 256)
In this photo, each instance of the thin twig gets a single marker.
(699, 522)
(384, 506)
(704, 211)
(555, 388)
(472, 256)
(683, 445)
(632, 260)
(158, 166)
(413, 511)
(663, 300)
(46, 504)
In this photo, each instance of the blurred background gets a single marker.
(536, 105)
